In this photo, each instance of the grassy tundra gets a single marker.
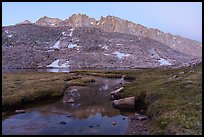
(172, 98)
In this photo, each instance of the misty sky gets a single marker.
(178, 18)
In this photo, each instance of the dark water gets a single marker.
(91, 113)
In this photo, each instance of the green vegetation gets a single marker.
(99, 73)
(81, 81)
(21, 88)
(174, 98)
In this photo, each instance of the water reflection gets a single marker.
(4, 70)
(90, 113)
(35, 70)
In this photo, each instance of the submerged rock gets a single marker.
(125, 103)
(113, 123)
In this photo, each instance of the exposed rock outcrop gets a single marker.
(80, 20)
(51, 22)
(25, 22)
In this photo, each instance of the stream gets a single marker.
(90, 112)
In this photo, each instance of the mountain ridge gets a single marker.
(116, 24)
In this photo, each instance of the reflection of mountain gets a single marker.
(79, 113)
(92, 110)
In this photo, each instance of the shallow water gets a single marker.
(91, 113)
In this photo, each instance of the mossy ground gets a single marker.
(173, 96)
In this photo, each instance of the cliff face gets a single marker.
(80, 20)
(115, 24)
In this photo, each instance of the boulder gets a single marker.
(125, 103)
(116, 93)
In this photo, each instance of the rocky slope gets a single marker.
(115, 24)
(41, 46)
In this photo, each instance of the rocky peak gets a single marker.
(80, 20)
(113, 24)
(47, 21)
(25, 22)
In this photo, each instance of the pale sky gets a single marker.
(178, 18)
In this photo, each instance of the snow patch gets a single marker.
(56, 64)
(57, 45)
(174, 37)
(119, 44)
(72, 45)
(173, 45)
(120, 55)
(6, 31)
(50, 50)
(158, 33)
(65, 65)
(10, 35)
(70, 34)
(106, 54)
(63, 33)
(92, 23)
(52, 24)
(163, 61)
